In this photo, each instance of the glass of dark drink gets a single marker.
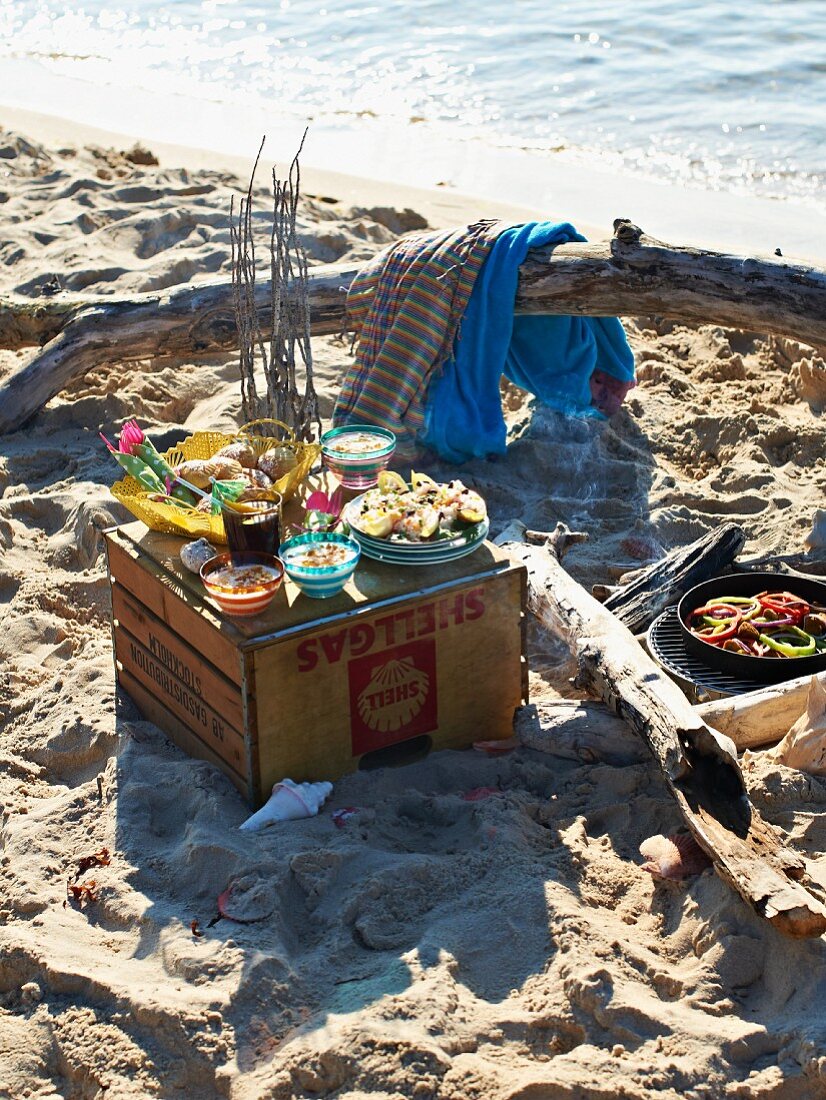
(253, 524)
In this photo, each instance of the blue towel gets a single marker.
(551, 357)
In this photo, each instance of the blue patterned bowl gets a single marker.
(320, 563)
(357, 453)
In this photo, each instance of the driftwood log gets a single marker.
(578, 729)
(654, 588)
(588, 731)
(762, 717)
(628, 275)
(699, 765)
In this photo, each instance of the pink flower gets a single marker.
(131, 437)
(323, 512)
(328, 506)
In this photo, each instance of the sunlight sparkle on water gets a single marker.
(591, 79)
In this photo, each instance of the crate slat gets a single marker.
(159, 591)
(178, 732)
(206, 682)
(205, 722)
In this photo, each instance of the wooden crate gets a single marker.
(405, 657)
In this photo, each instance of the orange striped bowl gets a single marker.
(240, 599)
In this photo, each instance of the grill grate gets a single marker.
(665, 642)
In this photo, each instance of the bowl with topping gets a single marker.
(357, 453)
(242, 583)
(320, 562)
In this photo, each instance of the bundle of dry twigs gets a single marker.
(289, 353)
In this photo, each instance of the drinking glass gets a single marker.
(253, 524)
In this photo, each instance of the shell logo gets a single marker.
(394, 695)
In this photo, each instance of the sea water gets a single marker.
(719, 95)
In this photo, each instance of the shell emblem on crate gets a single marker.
(269, 464)
(400, 689)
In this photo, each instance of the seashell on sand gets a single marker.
(194, 554)
(288, 802)
(675, 857)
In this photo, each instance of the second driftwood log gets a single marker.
(655, 587)
(699, 765)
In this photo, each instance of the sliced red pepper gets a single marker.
(785, 603)
(719, 633)
(718, 609)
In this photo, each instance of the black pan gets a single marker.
(763, 670)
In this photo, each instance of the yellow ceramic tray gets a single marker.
(189, 522)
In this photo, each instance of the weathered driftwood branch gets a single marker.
(628, 275)
(184, 322)
(790, 565)
(759, 717)
(586, 730)
(640, 275)
(699, 765)
(657, 586)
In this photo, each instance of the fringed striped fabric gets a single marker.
(406, 309)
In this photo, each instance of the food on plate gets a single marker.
(770, 624)
(423, 511)
(241, 452)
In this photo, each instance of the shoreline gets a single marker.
(365, 161)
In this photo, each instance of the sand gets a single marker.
(440, 943)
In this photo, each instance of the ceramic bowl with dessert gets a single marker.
(242, 583)
(320, 562)
(357, 453)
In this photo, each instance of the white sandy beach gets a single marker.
(434, 946)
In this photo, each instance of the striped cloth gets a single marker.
(405, 308)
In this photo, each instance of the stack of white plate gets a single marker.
(402, 552)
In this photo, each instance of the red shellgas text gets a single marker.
(391, 630)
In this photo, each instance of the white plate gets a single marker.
(468, 537)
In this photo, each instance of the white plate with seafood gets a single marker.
(423, 522)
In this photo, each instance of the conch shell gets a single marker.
(289, 801)
(200, 471)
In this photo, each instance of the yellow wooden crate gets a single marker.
(403, 660)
